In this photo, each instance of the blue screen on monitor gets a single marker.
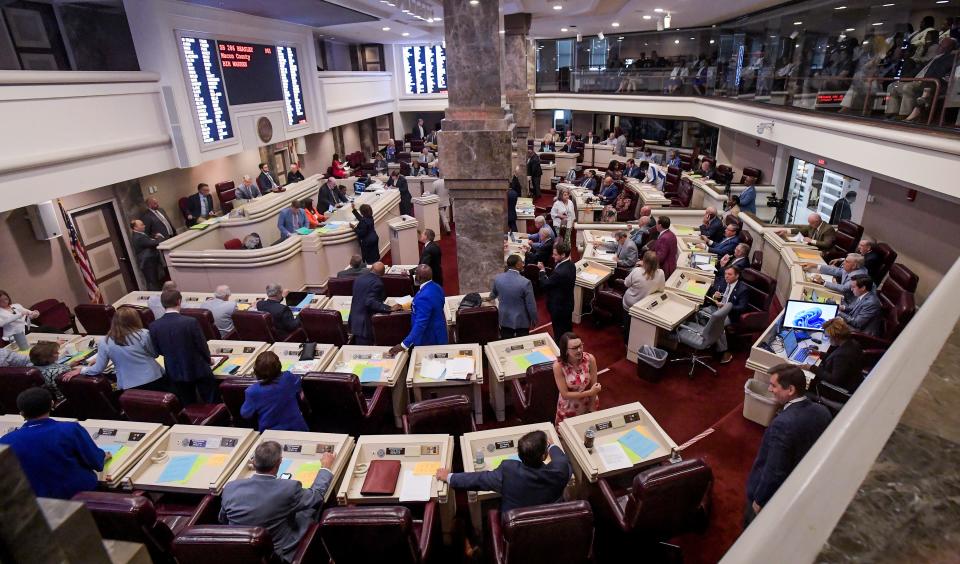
(808, 316)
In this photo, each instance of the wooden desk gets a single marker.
(661, 310)
(126, 441)
(241, 356)
(440, 357)
(289, 354)
(374, 368)
(508, 359)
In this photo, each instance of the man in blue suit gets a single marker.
(429, 314)
(711, 230)
(730, 290)
(788, 438)
(291, 219)
(518, 307)
(731, 238)
(368, 297)
(748, 198)
(186, 356)
(864, 312)
(520, 483)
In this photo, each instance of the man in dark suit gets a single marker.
(738, 259)
(431, 255)
(157, 221)
(731, 238)
(728, 290)
(199, 205)
(520, 483)
(186, 356)
(541, 251)
(418, 130)
(357, 268)
(513, 193)
(368, 297)
(666, 246)
(266, 181)
(872, 258)
(864, 312)
(327, 197)
(843, 209)
(429, 325)
(711, 230)
(559, 288)
(518, 306)
(148, 258)
(406, 199)
(286, 508)
(632, 170)
(284, 322)
(535, 172)
(294, 174)
(788, 438)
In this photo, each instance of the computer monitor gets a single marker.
(808, 316)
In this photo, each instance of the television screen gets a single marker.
(808, 316)
(425, 69)
(207, 89)
(250, 72)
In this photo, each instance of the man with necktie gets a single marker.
(157, 221)
(247, 189)
(727, 290)
(266, 182)
(199, 205)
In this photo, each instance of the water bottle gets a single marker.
(588, 439)
(478, 461)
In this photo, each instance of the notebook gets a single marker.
(382, 476)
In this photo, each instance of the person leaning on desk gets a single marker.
(817, 232)
(429, 325)
(852, 266)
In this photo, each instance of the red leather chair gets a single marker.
(659, 503)
(535, 395)
(684, 194)
(182, 206)
(746, 237)
(889, 258)
(391, 328)
(452, 415)
(164, 408)
(608, 305)
(233, 392)
(349, 533)
(558, 533)
(847, 238)
(241, 545)
(226, 193)
(233, 245)
(145, 313)
(95, 318)
(630, 213)
(750, 171)
(756, 262)
(671, 184)
(134, 518)
(416, 145)
(324, 326)
(90, 397)
(896, 315)
(901, 280)
(205, 318)
(16, 380)
(478, 325)
(337, 403)
(340, 286)
(397, 285)
(398, 145)
(54, 315)
(763, 289)
(686, 161)
(724, 174)
(252, 325)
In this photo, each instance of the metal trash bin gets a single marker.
(759, 405)
(650, 361)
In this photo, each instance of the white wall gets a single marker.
(740, 150)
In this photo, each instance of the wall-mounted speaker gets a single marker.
(43, 219)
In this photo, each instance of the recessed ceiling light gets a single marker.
(647, 17)
(797, 23)
(850, 29)
(692, 38)
(888, 5)
(564, 30)
(658, 10)
(877, 23)
(474, 2)
(557, 7)
(677, 41)
(840, 8)
(620, 38)
(384, 29)
(942, 1)
(712, 42)
(405, 34)
(615, 24)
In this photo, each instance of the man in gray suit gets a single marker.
(626, 250)
(281, 505)
(852, 267)
(518, 308)
(222, 309)
(864, 313)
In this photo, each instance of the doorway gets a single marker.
(812, 188)
(98, 228)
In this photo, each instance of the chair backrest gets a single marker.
(95, 318)
(397, 145)
(416, 145)
(686, 161)
(897, 313)
(182, 206)
(151, 407)
(556, 532)
(746, 237)
(844, 243)
(903, 277)
(15, 380)
(762, 288)
(724, 174)
(336, 401)
(252, 325)
(233, 391)
(397, 285)
(854, 230)
(205, 318)
(451, 415)
(225, 543)
(146, 314)
(233, 244)
(756, 262)
(347, 533)
(390, 328)
(340, 286)
(323, 326)
(53, 314)
(131, 518)
(889, 257)
(672, 181)
(226, 193)
(90, 397)
(478, 325)
(542, 393)
(670, 499)
(685, 193)
(750, 171)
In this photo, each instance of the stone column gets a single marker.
(475, 140)
(516, 82)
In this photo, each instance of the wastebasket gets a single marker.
(759, 405)
(650, 361)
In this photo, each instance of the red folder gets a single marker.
(382, 476)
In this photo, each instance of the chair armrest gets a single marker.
(613, 507)
(377, 404)
(406, 424)
(206, 513)
(298, 336)
(832, 392)
(310, 548)
(426, 531)
(496, 536)
(870, 342)
(230, 336)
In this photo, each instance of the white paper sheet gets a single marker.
(613, 456)
(590, 277)
(415, 488)
(432, 369)
(706, 267)
(403, 300)
(459, 369)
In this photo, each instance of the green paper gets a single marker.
(200, 461)
(522, 362)
(494, 462)
(698, 289)
(304, 231)
(117, 454)
(358, 368)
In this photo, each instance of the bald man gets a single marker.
(429, 314)
(817, 232)
(711, 230)
(368, 299)
(222, 308)
(157, 221)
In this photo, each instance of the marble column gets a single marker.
(516, 82)
(475, 140)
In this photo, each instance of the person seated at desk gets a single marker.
(711, 229)
(738, 259)
(842, 365)
(252, 241)
(13, 359)
(540, 250)
(14, 318)
(424, 158)
(632, 170)
(266, 181)
(640, 283)
(626, 250)
(357, 268)
(222, 309)
(575, 372)
(284, 322)
(520, 483)
(368, 299)
(416, 169)
(314, 216)
(200, 205)
(294, 174)
(540, 222)
(852, 266)
(329, 196)
(390, 151)
(864, 312)
(674, 160)
(645, 223)
(336, 167)
(608, 191)
(733, 209)
(129, 347)
(366, 232)
(568, 144)
(153, 302)
(282, 506)
(724, 291)
(58, 458)
(748, 198)
(44, 356)
(611, 140)
(247, 189)
(273, 400)
(429, 314)
(817, 232)
(731, 238)
(872, 258)
(707, 170)
(291, 219)
(380, 163)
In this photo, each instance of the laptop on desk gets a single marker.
(793, 350)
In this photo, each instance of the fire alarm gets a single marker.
(911, 195)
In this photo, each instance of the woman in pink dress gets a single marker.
(576, 374)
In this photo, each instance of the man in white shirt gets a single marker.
(154, 301)
(438, 188)
(222, 309)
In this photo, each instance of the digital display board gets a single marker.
(206, 85)
(290, 83)
(425, 69)
(250, 72)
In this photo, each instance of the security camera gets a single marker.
(764, 125)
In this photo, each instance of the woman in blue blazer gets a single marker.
(129, 347)
(273, 400)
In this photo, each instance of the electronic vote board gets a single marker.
(289, 354)
(192, 459)
(374, 367)
(240, 356)
(509, 359)
(126, 441)
(445, 370)
(301, 456)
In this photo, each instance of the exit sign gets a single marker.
(821, 162)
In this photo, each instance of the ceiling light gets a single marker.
(384, 29)
(647, 17)
(557, 6)
(797, 23)
(405, 34)
(564, 30)
(658, 10)
(677, 41)
(474, 2)
(877, 23)
(620, 38)
(615, 24)
(941, 1)
(712, 42)
(850, 29)
(840, 8)
(888, 5)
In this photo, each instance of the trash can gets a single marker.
(650, 361)
(759, 405)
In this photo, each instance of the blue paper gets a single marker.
(537, 357)
(305, 302)
(285, 466)
(112, 449)
(638, 443)
(178, 468)
(371, 374)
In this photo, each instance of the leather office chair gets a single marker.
(830, 396)
(16, 380)
(671, 183)
(854, 230)
(416, 145)
(54, 315)
(847, 238)
(698, 338)
(535, 395)
(686, 161)
(479, 325)
(340, 286)
(889, 258)
(684, 194)
(95, 318)
(146, 315)
(756, 262)
(398, 145)
(133, 517)
(233, 393)
(630, 213)
(226, 193)
(532, 273)
(241, 545)
(347, 533)
(900, 280)
(452, 415)
(659, 503)
(746, 237)
(165, 408)
(324, 326)
(337, 403)
(750, 171)
(724, 174)
(397, 285)
(762, 289)
(252, 325)
(233, 245)
(558, 533)
(608, 305)
(205, 318)
(391, 328)
(90, 397)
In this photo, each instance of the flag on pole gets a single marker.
(81, 258)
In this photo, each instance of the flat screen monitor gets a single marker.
(425, 69)
(250, 72)
(808, 316)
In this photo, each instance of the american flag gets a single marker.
(81, 258)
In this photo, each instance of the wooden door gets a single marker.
(99, 230)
